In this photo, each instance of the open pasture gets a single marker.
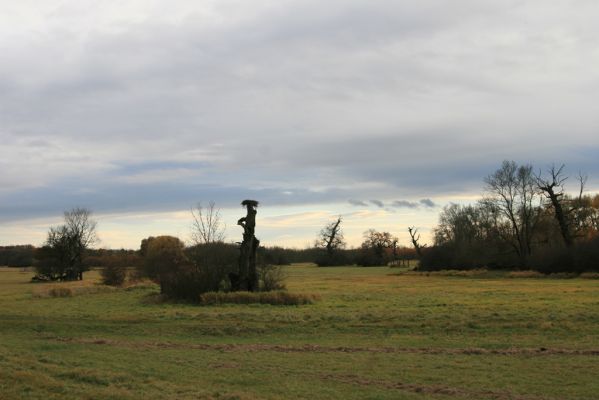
(375, 333)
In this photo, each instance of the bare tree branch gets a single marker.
(207, 225)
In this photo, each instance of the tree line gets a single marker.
(523, 220)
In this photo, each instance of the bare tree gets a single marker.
(331, 237)
(207, 226)
(564, 208)
(415, 237)
(512, 189)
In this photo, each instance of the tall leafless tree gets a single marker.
(207, 225)
(563, 207)
(512, 189)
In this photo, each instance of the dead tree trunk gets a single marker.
(247, 278)
(331, 244)
(556, 197)
(415, 239)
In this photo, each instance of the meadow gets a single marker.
(374, 333)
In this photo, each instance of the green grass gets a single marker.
(374, 333)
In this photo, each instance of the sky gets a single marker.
(380, 111)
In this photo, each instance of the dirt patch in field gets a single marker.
(429, 389)
(229, 365)
(311, 348)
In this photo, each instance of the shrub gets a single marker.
(368, 257)
(163, 258)
(271, 277)
(582, 257)
(273, 298)
(186, 273)
(213, 263)
(114, 274)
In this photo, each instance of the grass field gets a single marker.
(375, 333)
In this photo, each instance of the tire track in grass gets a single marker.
(313, 348)
(430, 389)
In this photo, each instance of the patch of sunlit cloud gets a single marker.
(311, 218)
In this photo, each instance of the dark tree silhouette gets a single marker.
(331, 237)
(553, 189)
(247, 277)
(415, 237)
(376, 248)
(61, 258)
(512, 189)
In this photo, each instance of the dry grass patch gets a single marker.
(275, 298)
(525, 274)
(470, 273)
(67, 290)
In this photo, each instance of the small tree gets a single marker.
(61, 257)
(376, 249)
(163, 258)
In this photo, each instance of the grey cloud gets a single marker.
(427, 203)
(404, 204)
(299, 95)
(357, 203)
(116, 197)
(378, 203)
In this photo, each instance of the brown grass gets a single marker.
(276, 298)
(60, 292)
(590, 275)
(525, 274)
(70, 290)
(480, 272)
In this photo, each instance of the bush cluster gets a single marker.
(186, 273)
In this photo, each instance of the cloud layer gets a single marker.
(143, 106)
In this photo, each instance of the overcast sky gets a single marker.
(383, 111)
